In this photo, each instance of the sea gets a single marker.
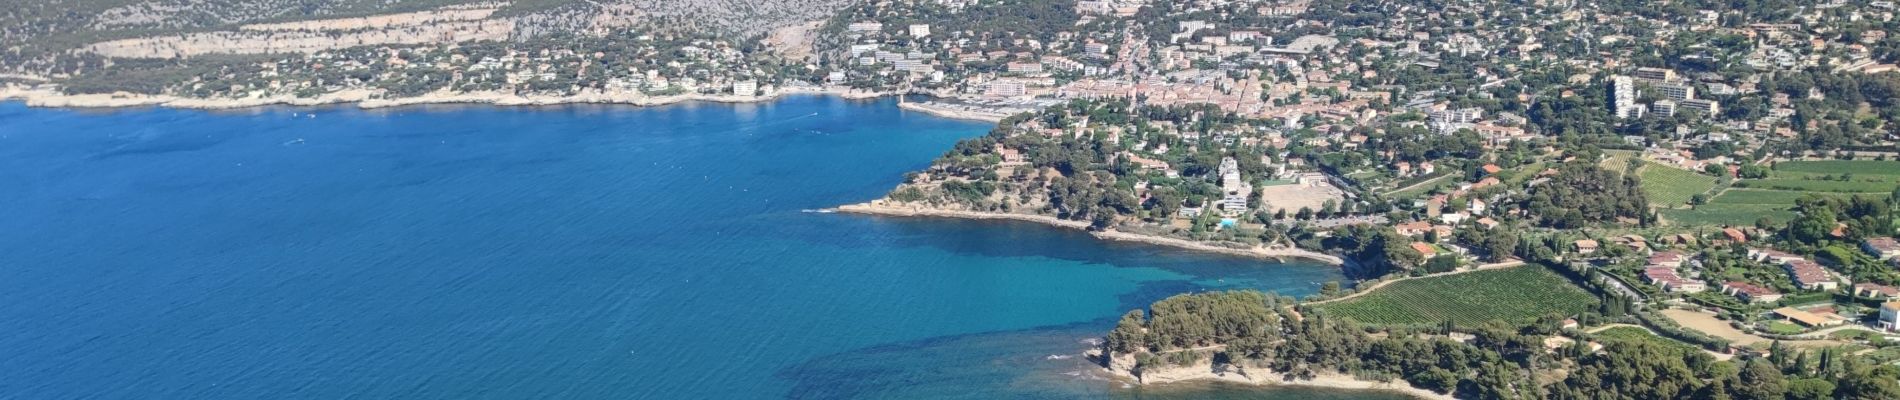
(565, 252)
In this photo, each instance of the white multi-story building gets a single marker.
(1655, 74)
(1664, 108)
(1623, 98)
(1006, 88)
(1708, 108)
(1234, 187)
(745, 88)
(1676, 92)
(919, 30)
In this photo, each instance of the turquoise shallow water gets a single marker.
(562, 252)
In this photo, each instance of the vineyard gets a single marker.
(1728, 214)
(1670, 187)
(1812, 185)
(1857, 167)
(1774, 197)
(1516, 295)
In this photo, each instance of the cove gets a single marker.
(553, 252)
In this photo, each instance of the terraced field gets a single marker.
(1516, 295)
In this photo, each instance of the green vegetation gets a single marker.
(1815, 185)
(1767, 197)
(1635, 334)
(1497, 362)
(1857, 167)
(1782, 328)
(1584, 194)
(1516, 295)
(1671, 187)
(1411, 188)
(1727, 214)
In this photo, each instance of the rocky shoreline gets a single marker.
(367, 99)
(885, 209)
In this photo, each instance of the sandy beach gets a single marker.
(877, 208)
(1119, 367)
(1327, 380)
(946, 111)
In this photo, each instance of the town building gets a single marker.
(1677, 92)
(1708, 108)
(1665, 108)
(1623, 98)
(1655, 74)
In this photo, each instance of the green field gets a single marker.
(1769, 197)
(1728, 214)
(1858, 167)
(1783, 328)
(1815, 185)
(1423, 187)
(1517, 295)
(1822, 177)
(1670, 187)
(1742, 206)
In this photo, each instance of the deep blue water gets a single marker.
(562, 252)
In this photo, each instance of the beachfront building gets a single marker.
(1234, 187)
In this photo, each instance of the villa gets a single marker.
(1750, 293)
(1884, 248)
(1889, 316)
(1811, 276)
(1876, 291)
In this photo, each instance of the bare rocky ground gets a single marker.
(179, 28)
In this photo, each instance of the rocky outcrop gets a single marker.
(425, 27)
